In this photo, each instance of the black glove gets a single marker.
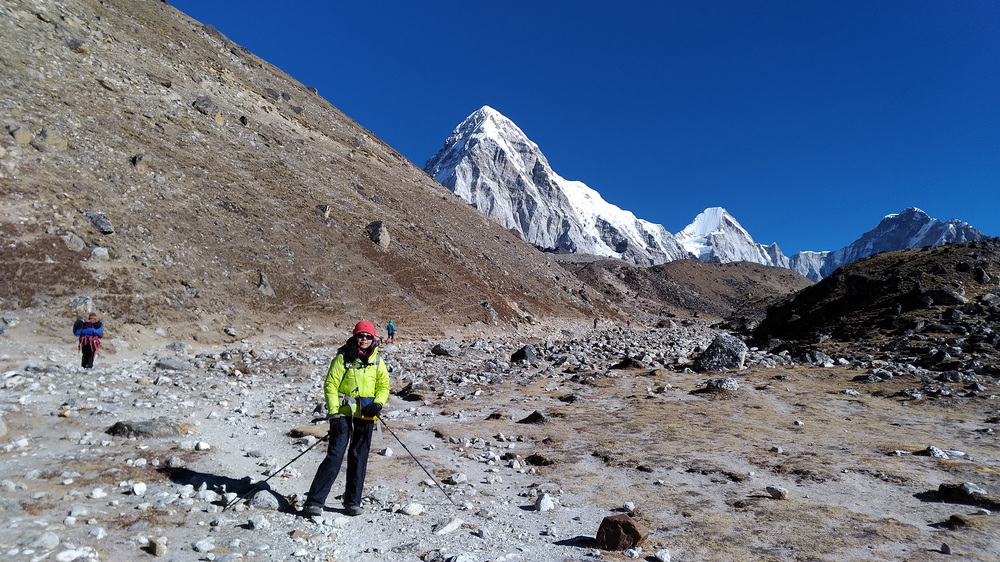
(372, 410)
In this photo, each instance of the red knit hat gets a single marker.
(365, 327)
(93, 316)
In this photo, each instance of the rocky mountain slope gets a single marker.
(156, 172)
(939, 307)
(738, 292)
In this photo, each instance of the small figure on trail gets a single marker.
(89, 332)
(595, 323)
(390, 330)
(628, 323)
(356, 389)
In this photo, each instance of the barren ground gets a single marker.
(695, 464)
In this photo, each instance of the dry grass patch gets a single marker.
(782, 531)
(37, 507)
(154, 518)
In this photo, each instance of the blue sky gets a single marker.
(807, 120)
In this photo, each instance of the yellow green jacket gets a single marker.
(346, 382)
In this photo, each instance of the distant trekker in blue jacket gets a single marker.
(89, 331)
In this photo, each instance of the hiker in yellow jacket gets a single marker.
(356, 389)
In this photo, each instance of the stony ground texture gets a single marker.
(704, 471)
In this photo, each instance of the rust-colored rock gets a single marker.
(620, 532)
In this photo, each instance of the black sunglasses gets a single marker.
(365, 336)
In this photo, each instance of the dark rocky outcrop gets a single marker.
(929, 306)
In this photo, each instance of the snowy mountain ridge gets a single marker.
(912, 228)
(715, 235)
(489, 162)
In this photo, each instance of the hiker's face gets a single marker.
(364, 340)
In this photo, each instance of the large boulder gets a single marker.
(527, 354)
(726, 352)
(157, 427)
(620, 532)
(447, 349)
(378, 233)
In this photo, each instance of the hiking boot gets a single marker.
(312, 511)
(353, 510)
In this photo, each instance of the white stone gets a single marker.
(450, 526)
(413, 509)
(545, 503)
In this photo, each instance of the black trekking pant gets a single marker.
(344, 431)
(88, 356)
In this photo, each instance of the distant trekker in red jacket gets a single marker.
(89, 331)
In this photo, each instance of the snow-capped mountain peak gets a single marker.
(490, 162)
(715, 235)
(911, 228)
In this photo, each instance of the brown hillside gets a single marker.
(216, 170)
(739, 290)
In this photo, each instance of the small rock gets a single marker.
(413, 509)
(47, 540)
(545, 503)
(728, 383)
(777, 493)
(157, 547)
(457, 478)
(172, 363)
(203, 545)
(100, 254)
(264, 499)
(448, 527)
(536, 417)
(100, 222)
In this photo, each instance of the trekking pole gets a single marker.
(277, 472)
(417, 461)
